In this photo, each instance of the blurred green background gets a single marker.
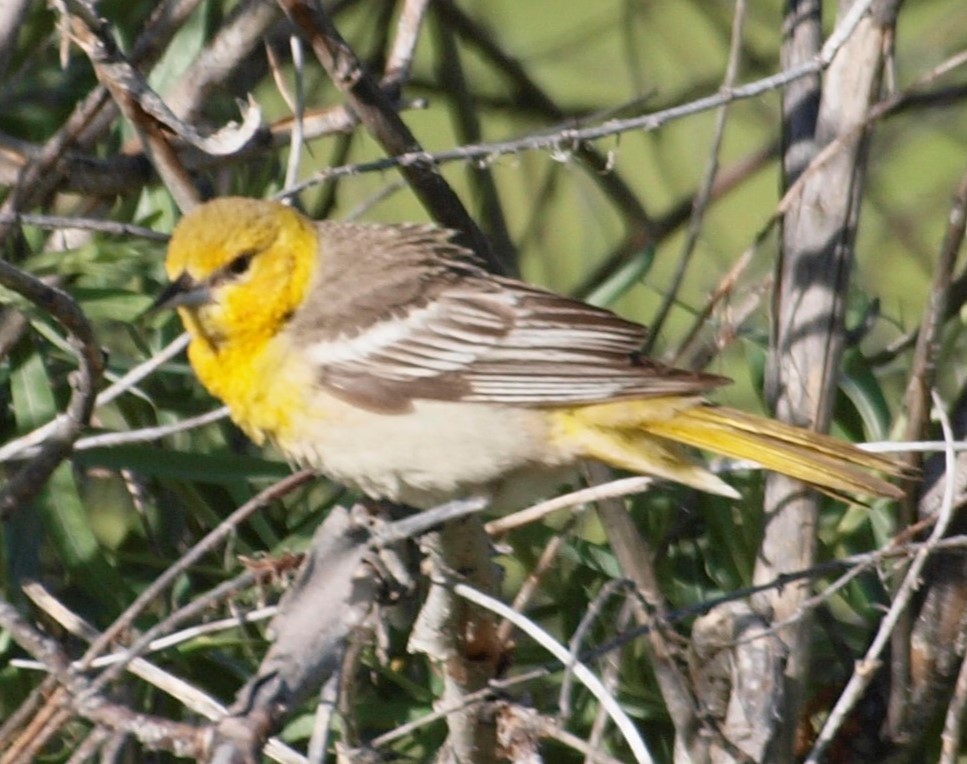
(112, 518)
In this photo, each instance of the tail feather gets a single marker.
(646, 454)
(641, 436)
(812, 457)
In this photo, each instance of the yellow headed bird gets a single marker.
(385, 358)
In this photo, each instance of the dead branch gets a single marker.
(812, 280)
(375, 110)
(459, 638)
(31, 477)
(333, 596)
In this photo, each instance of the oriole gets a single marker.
(385, 358)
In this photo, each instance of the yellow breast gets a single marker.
(267, 387)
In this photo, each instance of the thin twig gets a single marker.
(298, 113)
(90, 746)
(555, 648)
(528, 94)
(56, 222)
(154, 732)
(865, 668)
(15, 448)
(612, 489)
(611, 675)
(378, 114)
(420, 523)
(450, 72)
(591, 614)
(704, 193)
(569, 136)
(240, 618)
(229, 48)
(916, 407)
(396, 72)
(148, 434)
(865, 559)
(214, 537)
(31, 477)
(532, 583)
(322, 722)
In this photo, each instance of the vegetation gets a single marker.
(777, 189)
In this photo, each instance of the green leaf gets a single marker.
(597, 558)
(863, 389)
(66, 522)
(59, 503)
(627, 276)
(111, 304)
(33, 397)
(207, 468)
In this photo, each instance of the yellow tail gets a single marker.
(641, 436)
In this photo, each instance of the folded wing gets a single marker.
(493, 340)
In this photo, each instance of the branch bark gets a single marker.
(334, 595)
(461, 638)
(812, 281)
(376, 112)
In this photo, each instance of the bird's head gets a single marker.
(238, 268)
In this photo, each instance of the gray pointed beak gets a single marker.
(182, 292)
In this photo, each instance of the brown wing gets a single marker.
(427, 324)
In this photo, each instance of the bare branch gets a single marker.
(400, 59)
(865, 668)
(587, 677)
(45, 170)
(812, 278)
(307, 649)
(229, 47)
(129, 88)
(153, 732)
(704, 194)
(112, 227)
(30, 478)
(460, 639)
(635, 557)
(209, 542)
(376, 112)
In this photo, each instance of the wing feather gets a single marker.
(497, 341)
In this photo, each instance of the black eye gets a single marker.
(241, 263)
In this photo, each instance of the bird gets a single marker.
(386, 358)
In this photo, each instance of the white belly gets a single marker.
(436, 452)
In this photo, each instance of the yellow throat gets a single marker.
(255, 262)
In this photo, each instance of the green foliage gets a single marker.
(111, 519)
